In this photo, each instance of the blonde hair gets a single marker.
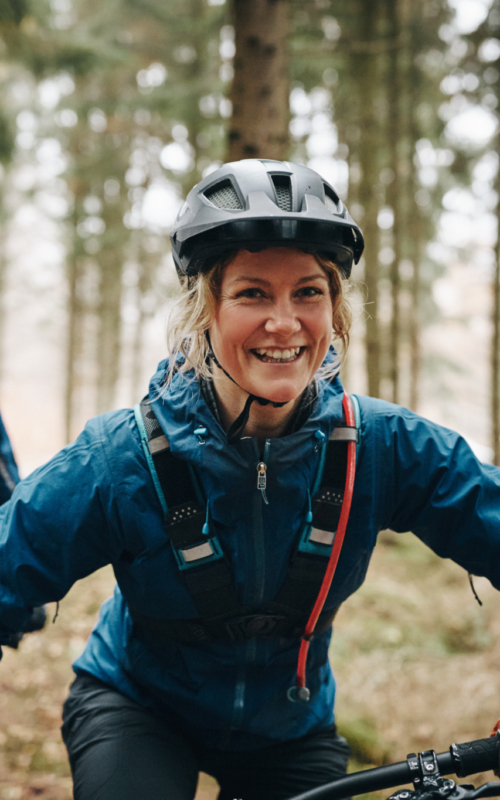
(194, 312)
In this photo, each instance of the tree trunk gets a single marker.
(72, 343)
(108, 339)
(415, 348)
(495, 339)
(76, 312)
(365, 61)
(260, 88)
(415, 226)
(394, 192)
(3, 270)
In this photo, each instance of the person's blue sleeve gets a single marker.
(436, 487)
(60, 525)
(9, 475)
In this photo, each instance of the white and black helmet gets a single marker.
(256, 203)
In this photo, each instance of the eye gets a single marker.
(251, 293)
(310, 291)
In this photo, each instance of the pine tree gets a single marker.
(261, 84)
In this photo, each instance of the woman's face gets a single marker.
(273, 324)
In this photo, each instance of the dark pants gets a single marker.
(121, 751)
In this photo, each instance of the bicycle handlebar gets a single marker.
(464, 759)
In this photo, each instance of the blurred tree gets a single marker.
(12, 11)
(141, 119)
(479, 79)
(366, 64)
(396, 69)
(382, 66)
(261, 84)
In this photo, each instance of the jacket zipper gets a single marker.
(261, 480)
(259, 565)
(258, 527)
(262, 470)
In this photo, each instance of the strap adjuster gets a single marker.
(316, 541)
(345, 433)
(201, 553)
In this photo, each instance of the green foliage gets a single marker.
(367, 746)
(13, 11)
(6, 138)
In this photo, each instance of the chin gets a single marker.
(278, 394)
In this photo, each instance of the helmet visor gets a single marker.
(334, 242)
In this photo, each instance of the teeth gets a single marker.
(283, 355)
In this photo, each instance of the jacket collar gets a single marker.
(182, 408)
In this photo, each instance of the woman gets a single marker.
(213, 507)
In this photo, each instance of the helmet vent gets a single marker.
(283, 189)
(331, 200)
(223, 195)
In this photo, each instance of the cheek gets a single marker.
(234, 324)
(321, 325)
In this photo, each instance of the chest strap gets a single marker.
(205, 569)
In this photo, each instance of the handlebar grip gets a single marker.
(479, 756)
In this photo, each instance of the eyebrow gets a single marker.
(251, 279)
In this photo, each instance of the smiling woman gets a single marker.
(224, 526)
(271, 317)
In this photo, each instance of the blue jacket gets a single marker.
(9, 475)
(95, 501)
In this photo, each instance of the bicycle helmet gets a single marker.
(257, 203)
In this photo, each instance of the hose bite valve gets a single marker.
(298, 694)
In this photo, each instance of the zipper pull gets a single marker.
(261, 480)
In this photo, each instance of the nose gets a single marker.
(283, 320)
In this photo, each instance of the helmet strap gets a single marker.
(236, 428)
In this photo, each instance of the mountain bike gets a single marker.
(426, 772)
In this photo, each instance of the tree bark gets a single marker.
(366, 71)
(394, 192)
(109, 335)
(260, 88)
(415, 347)
(416, 234)
(495, 338)
(72, 345)
(3, 271)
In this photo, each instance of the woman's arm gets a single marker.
(428, 480)
(58, 527)
(445, 495)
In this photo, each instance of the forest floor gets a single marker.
(415, 657)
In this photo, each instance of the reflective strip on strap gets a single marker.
(344, 435)
(158, 444)
(321, 537)
(198, 552)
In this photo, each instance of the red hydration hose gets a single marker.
(337, 546)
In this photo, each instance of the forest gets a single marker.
(110, 112)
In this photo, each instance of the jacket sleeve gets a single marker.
(9, 475)
(57, 528)
(434, 485)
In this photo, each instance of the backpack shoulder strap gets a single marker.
(308, 566)
(197, 550)
(357, 414)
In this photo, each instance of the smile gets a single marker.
(274, 355)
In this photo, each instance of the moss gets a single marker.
(367, 746)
